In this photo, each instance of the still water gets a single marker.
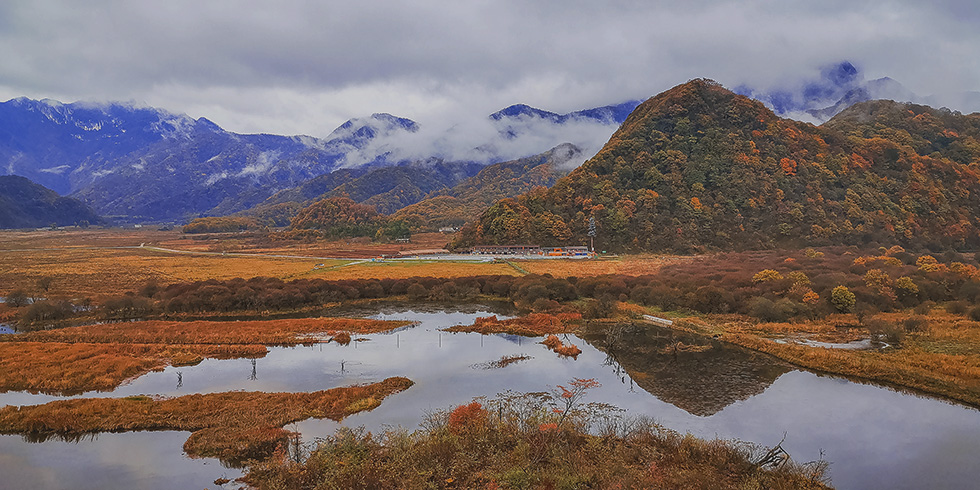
(874, 437)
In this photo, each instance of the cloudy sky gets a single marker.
(304, 67)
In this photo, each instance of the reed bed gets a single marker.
(232, 426)
(532, 325)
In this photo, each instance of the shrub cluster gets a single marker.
(771, 286)
(535, 440)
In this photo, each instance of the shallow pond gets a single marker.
(874, 437)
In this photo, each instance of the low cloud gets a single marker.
(485, 140)
(299, 67)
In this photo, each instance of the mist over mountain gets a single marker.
(841, 85)
(466, 200)
(146, 164)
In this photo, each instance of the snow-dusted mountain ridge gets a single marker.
(144, 163)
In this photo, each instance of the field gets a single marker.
(921, 311)
(86, 263)
(634, 265)
(414, 268)
(93, 272)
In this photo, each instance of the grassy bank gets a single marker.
(101, 357)
(941, 357)
(539, 441)
(232, 426)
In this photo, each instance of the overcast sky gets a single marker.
(304, 67)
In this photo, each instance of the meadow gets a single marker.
(117, 313)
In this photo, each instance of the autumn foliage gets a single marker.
(532, 325)
(223, 224)
(534, 440)
(468, 418)
(334, 217)
(700, 168)
(555, 344)
(100, 357)
(233, 426)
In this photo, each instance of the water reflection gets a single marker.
(6, 329)
(875, 437)
(144, 460)
(697, 374)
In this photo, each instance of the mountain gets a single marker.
(48, 141)
(841, 85)
(699, 167)
(148, 164)
(701, 381)
(523, 121)
(24, 204)
(605, 114)
(882, 88)
(386, 189)
(465, 201)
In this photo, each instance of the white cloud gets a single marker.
(300, 67)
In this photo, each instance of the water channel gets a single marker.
(874, 437)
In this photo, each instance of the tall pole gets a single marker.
(592, 233)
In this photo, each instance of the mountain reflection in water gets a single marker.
(699, 375)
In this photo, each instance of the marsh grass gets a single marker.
(529, 441)
(101, 357)
(532, 325)
(233, 426)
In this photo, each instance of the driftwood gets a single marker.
(775, 457)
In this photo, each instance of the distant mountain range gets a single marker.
(24, 204)
(843, 85)
(147, 164)
(426, 195)
(138, 163)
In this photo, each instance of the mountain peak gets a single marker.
(524, 110)
(700, 96)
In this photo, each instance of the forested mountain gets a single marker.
(465, 201)
(334, 217)
(386, 189)
(24, 204)
(699, 167)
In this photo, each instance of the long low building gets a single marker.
(529, 250)
(507, 249)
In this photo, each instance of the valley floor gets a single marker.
(933, 347)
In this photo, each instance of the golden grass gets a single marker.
(110, 271)
(232, 426)
(405, 269)
(290, 331)
(943, 358)
(115, 237)
(72, 368)
(101, 357)
(533, 325)
(520, 442)
(632, 265)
